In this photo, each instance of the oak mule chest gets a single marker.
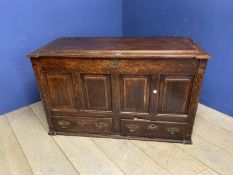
(135, 88)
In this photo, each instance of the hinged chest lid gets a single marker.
(148, 47)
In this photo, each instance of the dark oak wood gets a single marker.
(152, 129)
(83, 125)
(134, 88)
(97, 87)
(59, 87)
(135, 93)
(166, 47)
(175, 94)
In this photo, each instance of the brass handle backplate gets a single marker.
(82, 123)
(152, 127)
(132, 127)
(63, 124)
(114, 63)
(101, 125)
(173, 130)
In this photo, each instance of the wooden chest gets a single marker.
(135, 88)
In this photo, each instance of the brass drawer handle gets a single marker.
(173, 130)
(132, 127)
(101, 125)
(114, 63)
(63, 124)
(82, 123)
(152, 127)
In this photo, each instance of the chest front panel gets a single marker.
(60, 90)
(122, 94)
(175, 93)
(134, 93)
(97, 92)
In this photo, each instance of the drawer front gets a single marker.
(152, 129)
(83, 125)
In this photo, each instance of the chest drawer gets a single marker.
(152, 129)
(83, 125)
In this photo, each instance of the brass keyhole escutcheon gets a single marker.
(115, 63)
(152, 127)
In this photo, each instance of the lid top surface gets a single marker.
(153, 46)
